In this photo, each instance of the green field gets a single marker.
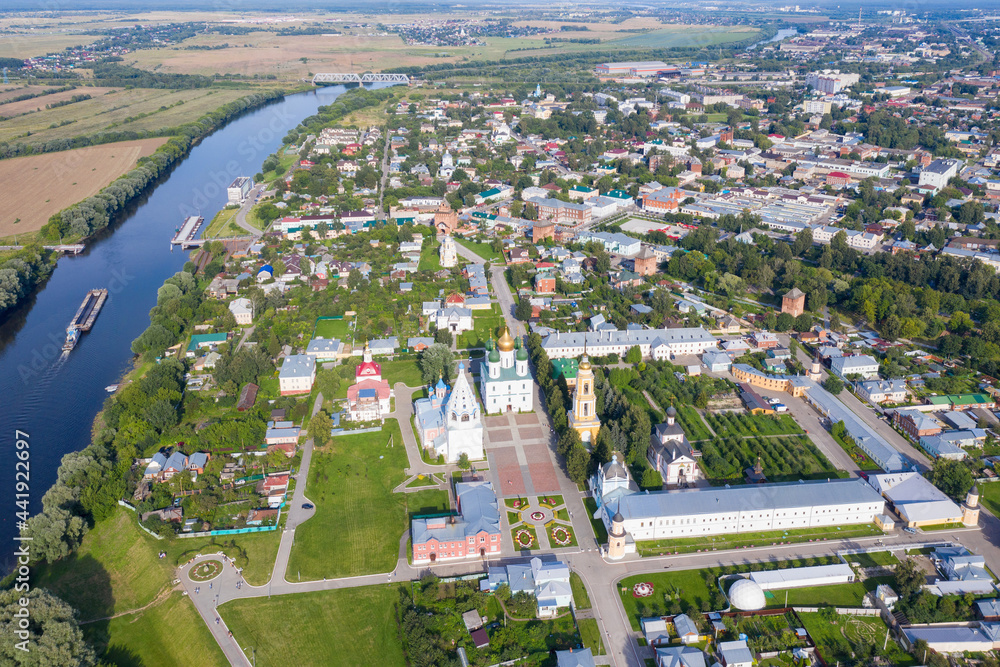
(168, 634)
(580, 596)
(692, 423)
(600, 530)
(429, 258)
(358, 520)
(113, 111)
(223, 224)
(339, 329)
(348, 627)
(402, 370)
(115, 570)
(834, 640)
(484, 250)
(872, 559)
(688, 584)
(737, 540)
(485, 323)
(590, 634)
(685, 37)
(989, 496)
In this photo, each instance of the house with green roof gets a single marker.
(959, 401)
(205, 340)
(565, 368)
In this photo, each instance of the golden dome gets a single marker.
(584, 363)
(506, 342)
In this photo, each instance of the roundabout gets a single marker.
(205, 571)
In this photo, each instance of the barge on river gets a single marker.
(84, 318)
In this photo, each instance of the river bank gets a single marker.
(55, 399)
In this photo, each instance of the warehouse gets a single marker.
(916, 500)
(646, 68)
(801, 577)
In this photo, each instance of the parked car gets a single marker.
(307, 506)
(911, 531)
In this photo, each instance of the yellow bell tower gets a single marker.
(583, 415)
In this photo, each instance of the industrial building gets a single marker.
(802, 577)
(239, 189)
(645, 68)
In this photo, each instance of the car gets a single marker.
(911, 531)
(307, 506)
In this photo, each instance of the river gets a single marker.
(781, 34)
(54, 401)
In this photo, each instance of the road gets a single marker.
(869, 417)
(385, 176)
(241, 215)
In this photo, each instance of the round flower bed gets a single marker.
(561, 535)
(524, 538)
(642, 590)
(537, 516)
(206, 570)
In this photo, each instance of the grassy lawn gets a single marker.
(116, 569)
(220, 222)
(485, 324)
(989, 496)
(254, 552)
(839, 595)
(873, 559)
(590, 633)
(402, 370)
(525, 532)
(348, 627)
(943, 526)
(339, 329)
(429, 501)
(169, 634)
(858, 456)
(552, 526)
(600, 531)
(720, 542)
(689, 584)
(421, 480)
(834, 639)
(429, 259)
(484, 250)
(358, 520)
(580, 596)
(693, 425)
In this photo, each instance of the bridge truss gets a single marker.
(344, 77)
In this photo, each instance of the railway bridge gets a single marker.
(334, 78)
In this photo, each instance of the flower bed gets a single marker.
(524, 538)
(550, 501)
(561, 536)
(537, 516)
(206, 570)
(642, 590)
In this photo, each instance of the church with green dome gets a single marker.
(506, 382)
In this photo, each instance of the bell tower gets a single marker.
(583, 415)
(616, 537)
(970, 508)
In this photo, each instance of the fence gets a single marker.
(844, 611)
(125, 504)
(235, 531)
(337, 432)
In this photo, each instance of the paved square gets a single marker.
(508, 472)
(534, 433)
(500, 435)
(528, 419)
(543, 475)
(494, 421)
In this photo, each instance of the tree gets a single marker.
(52, 636)
(435, 362)
(909, 578)
(834, 385)
(784, 322)
(320, 426)
(952, 477)
(634, 355)
(463, 461)
(802, 323)
(444, 337)
(522, 310)
(578, 464)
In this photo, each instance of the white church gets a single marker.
(506, 384)
(450, 422)
(448, 253)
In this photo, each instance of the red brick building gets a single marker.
(837, 178)
(545, 283)
(473, 533)
(794, 302)
(541, 230)
(645, 262)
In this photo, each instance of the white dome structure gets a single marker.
(746, 595)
